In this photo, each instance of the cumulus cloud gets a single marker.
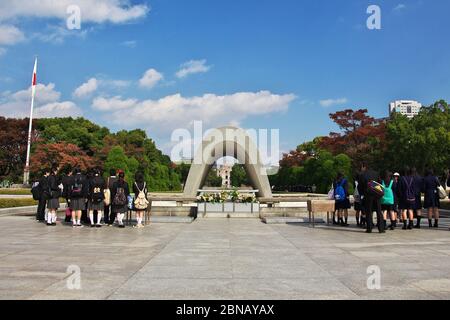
(333, 102)
(129, 43)
(93, 11)
(176, 111)
(47, 104)
(150, 78)
(192, 67)
(112, 104)
(86, 88)
(399, 7)
(10, 35)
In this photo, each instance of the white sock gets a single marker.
(78, 221)
(120, 217)
(139, 220)
(91, 217)
(49, 218)
(54, 217)
(99, 217)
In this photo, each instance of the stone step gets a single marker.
(289, 220)
(168, 219)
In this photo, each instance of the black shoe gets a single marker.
(54, 224)
(98, 225)
(436, 225)
(49, 224)
(404, 226)
(121, 226)
(381, 231)
(92, 225)
(410, 225)
(369, 231)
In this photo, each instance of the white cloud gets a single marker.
(333, 102)
(150, 78)
(57, 34)
(93, 11)
(176, 111)
(192, 67)
(86, 88)
(129, 44)
(399, 7)
(10, 35)
(114, 103)
(47, 103)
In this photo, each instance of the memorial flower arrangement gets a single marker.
(227, 196)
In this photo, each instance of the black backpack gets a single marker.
(120, 199)
(76, 190)
(36, 191)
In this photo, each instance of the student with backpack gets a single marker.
(396, 190)
(432, 201)
(367, 182)
(39, 194)
(77, 196)
(341, 198)
(96, 197)
(140, 202)
(119, 195)
(387, 202)
(408, 198)
(54, 192)
(65, 180)
(359, 210)
(418, 206)
(109, 215)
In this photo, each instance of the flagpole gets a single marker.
(26, 173)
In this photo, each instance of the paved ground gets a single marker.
(220, 259)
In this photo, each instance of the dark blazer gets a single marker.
(95, 181)
(117, 185)
(53, 187)
(363, 180)
(84, 181)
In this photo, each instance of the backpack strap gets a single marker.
(137, 187)
(390, 184)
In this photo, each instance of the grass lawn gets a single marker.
(12, 203)
(10, 191)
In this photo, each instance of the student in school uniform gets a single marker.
(432, 201)
(110, 216)
(140, 191)
(387, 201)
(54, 192)
(41, 190)
(119, 197)
(77, 196)
(96, 197)
(408, 198)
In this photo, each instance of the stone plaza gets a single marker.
(221, 259)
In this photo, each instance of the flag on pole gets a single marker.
(26, 174)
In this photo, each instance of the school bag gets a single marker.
(356, 195)
(331, 193)
(339, 192)
(76, 190)
(388, 198)
(120, 199)
(97, 194)
(441, 191)
(141, 202)
(410, 194)
(375, 189)
(36, 191)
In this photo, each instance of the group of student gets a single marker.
(397, 197)
(89, 197)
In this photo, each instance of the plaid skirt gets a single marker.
(53, 204)
(78, 204)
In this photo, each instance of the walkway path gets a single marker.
(221, 259)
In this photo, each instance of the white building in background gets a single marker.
(224, 171)
(407, 108)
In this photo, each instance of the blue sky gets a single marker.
(255, 63)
